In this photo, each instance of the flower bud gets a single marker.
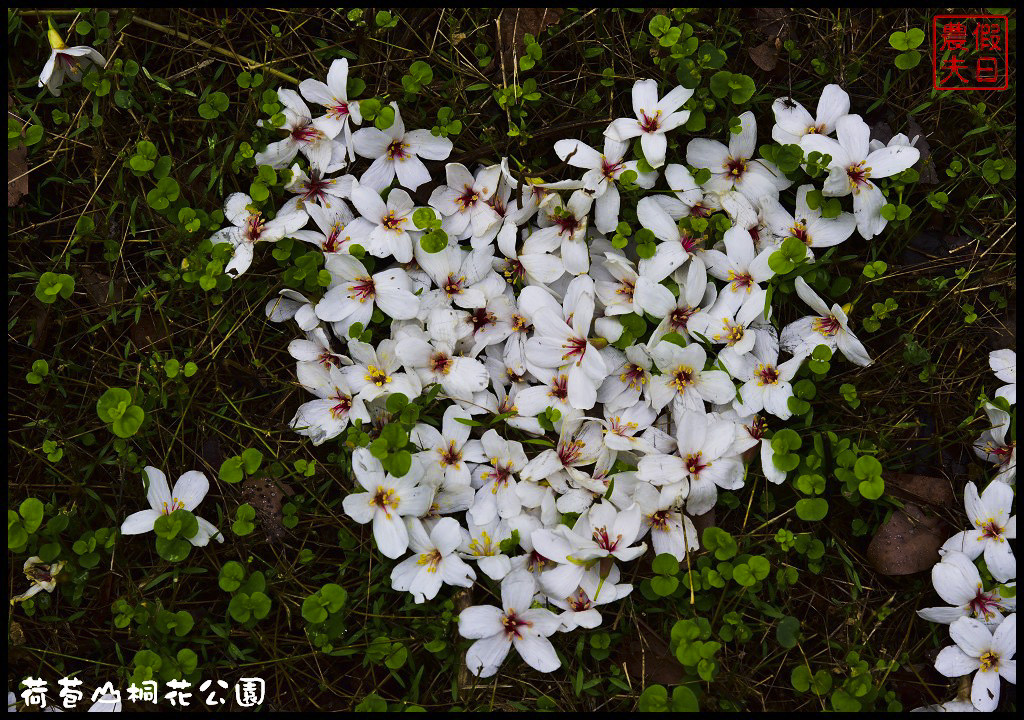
(56, 42)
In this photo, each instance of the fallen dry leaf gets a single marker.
(703, 522)
(908, 542)
(932, 490)
(765, 55)
(265, 496)
(17, 170)
(648, 660)
(925, 166)
(515, 22)
(98, 288)
(17, 175)
(769, 23)
(147, 333)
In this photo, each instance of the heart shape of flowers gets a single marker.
(600, 383)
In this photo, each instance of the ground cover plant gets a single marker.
(354, 349)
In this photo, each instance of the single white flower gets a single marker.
(434, 562)
(628, 292)
(354, 293)
(328, 416)
(481, 543)
(727, 322)
(466, 279)
(683, 380)
(766, 382)
(552, 391)
(792, 121)
(958, 582)
(750, 431)
(436, 362)
(43, 576)
(676, 246)
(579, 445)
(315, 350)
(990, 513)
(333, 233)
(520, 268)
(496, 630)
(395, 151)
(374, 372)
(990, 653)
(695, 294)
(249, 228)
(66, 61)
(496, 322)
(734, 167)
(315, 188)
(603, 172)
(497, 496)
(601, 533)
(829, 327)
(653, 119)
(385, 229)
(672, 531)
(628, 378)
(564, 227)
(705, 459)
(1004, 365)
(333, 95)
(451, 449)
(854, 166)
(579, 611)
(464, 202)
(188, 492)
(807, 224)
(743, 268)
(622, 432)
(323, 153)
(993, 447)
(386, 501)
(556, 344)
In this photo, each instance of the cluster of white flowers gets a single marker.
(983, 623)
(519, 314)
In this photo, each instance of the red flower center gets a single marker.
(305, 133)
(570, 452)
(650, 123)
(736, 167)
(343, 405)
(681, 316)
(467, 199)
(560, 387)
(480, 319)
(694, 464)
(609, 169)
(567, 224)
(575, 347)
(827, 326)
(254, 227)
(363, 289)
(604, 541)
(397, 150)
(633, 375)
(984, 604)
